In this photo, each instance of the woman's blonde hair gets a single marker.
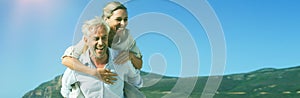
(111, 7)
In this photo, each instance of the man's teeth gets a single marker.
(100, 48)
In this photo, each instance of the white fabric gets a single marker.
(67, 79)
(75, 51)
(92, 87)
(76, 92)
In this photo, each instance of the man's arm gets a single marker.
(66, 81)
(134, 77)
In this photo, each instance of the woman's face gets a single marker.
(118, 20)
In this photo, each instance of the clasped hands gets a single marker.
(106, 75)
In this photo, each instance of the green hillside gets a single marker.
(264, 83)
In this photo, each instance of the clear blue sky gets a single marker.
(35, 33)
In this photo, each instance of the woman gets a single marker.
(115, 15)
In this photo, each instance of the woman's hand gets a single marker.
(105, 75)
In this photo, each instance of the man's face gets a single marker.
(97, 42)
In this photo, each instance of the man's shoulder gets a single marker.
(113, 53)
(84, 57)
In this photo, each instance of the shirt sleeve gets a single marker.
(68, 78)
(126, 42)
(134, 77)
(122, 41)
(135, 50)
(74, 51)
(133, 47)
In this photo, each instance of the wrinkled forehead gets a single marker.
(98, 31)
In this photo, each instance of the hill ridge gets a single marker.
(265, 82)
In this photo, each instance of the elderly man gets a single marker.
(99, 56)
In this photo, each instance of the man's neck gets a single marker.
(100, 62)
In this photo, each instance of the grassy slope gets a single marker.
(264, 83)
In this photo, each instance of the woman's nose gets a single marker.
(123, 23)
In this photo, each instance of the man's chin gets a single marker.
(100, 55)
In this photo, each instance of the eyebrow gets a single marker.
(105, 35)
(122, 17)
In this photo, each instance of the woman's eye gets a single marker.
(119, 19)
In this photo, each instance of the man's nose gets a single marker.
(100, 41)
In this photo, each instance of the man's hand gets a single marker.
(105, 75)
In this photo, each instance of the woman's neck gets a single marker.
(111, 38)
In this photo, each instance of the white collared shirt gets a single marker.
(92, 87)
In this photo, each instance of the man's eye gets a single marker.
(97, 38)
(125, 20)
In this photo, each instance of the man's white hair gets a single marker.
(91, 25)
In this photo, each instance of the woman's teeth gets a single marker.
(120, 28)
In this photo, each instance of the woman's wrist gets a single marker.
(134, 55)
(93, 72)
